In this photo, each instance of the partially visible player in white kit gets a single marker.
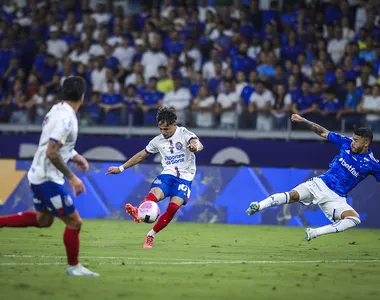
(352, 165)
(176, 146)
(46, 174)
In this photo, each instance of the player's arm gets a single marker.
(195, 145)
(318, 129)
(134, 160)
(80, 162)
(56, 159)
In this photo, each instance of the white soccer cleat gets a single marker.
(79, 270)
(254, 207)
(310, 234)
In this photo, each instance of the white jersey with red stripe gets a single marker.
(177, 159)
(61, 125)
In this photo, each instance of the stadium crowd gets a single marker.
(219, 66)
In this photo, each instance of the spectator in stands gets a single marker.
(133, 106)
(165, 83)
(304, 105)
(208, 69)
(204, 107)
(41, 104)
(111, 104)
(281, 108)
(152, 100)
(261, 103)
(226, 107)
(214, 82)
(153, 58)
(329, 108)
(349, 113)
(370, 105)
(98, 76)
(179, 98)
(19, 113)
(125, 53)
(55, 45)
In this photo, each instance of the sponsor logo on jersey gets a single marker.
(174, 159)
(178, 145)
(350, 168)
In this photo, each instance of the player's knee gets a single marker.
(44, 222)
(294, 196)
(350, 214)
(75, 223)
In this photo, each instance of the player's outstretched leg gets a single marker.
(21, 219)
(339, 226)
(162, 222)
(274, 200)
(71, 240)
(133, 210)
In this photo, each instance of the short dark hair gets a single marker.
(166, 115)
(364, 132)
(73, 88)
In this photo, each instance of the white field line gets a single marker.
(176, 262)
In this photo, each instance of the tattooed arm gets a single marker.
(56, 159)
(318, 129)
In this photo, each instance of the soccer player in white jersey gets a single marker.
(47, 172)
(353, 164)
(176, 146)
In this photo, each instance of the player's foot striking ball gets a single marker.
(177, 146)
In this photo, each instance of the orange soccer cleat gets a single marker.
(133, 212)
(148, 242)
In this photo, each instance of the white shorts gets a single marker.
(315, 191)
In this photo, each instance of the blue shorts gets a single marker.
(173, 186)
(52, 197)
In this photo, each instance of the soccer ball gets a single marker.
(149, 212)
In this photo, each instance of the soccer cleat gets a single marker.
(148, 242)
(133, 212)
(310, 234)
(253, 208)
(79, 270)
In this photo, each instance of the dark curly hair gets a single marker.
(364, 132)
(166, 115)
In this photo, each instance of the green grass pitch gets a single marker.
(191, 261)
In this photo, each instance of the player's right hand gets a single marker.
(77, 185)
(297, 118)
(113, 170)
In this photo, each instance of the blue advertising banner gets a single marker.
(218, 195)
(273, 153)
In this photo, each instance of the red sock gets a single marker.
(71, 241)
(166, 217)
(149, 197)
(22, 219)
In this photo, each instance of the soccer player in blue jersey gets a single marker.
(353, 164)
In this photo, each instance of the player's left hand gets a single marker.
(80, 162)
(192, 147)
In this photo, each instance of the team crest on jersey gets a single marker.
(178, 145)
(157, 181)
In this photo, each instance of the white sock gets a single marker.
(339, 226)
(151, 233)
(274, 200)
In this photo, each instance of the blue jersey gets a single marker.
(348, 169)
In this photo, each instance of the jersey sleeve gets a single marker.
(152, 147)
(376, 172)
(62, 130)
(188, 135)
(338, 139)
